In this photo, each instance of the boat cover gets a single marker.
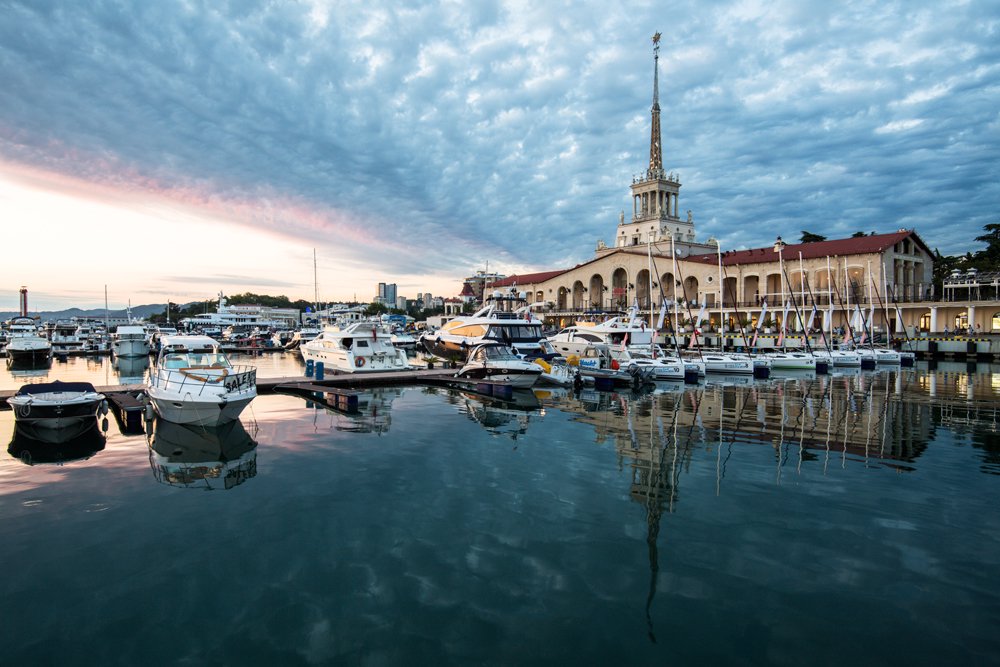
(45, 387)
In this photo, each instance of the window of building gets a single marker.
(995, 322)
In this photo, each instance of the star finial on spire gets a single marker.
(656, 38)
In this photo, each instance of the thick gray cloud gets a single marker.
(453, 134)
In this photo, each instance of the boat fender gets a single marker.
(545, 365)
(104, 425)
(615, 365)
(359, 361)
(573, 360)
(104, 408)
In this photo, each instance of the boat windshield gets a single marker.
(515, 332)
(196, 360)
(498, 353)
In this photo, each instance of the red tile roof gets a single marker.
(527, 278)
(861, 245)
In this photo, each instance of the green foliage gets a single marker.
(809, 237)
(857, 235)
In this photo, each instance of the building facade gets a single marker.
(656, 259)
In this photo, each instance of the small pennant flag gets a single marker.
(663, 315)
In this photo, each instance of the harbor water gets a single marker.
(803, 519)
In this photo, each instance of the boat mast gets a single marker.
(315, 283)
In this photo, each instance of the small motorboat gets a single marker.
(57, 411)
(497, 364)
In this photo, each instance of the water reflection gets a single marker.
(32, 445)
(373, 415)
(218, 457)
(508, 418)
(131, 370)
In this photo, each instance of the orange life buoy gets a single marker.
(359, 361)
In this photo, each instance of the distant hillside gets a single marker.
(46, 315)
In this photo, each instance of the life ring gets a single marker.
(359, 361)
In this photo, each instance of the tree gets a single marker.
(857, 235)
(989, 258)
(809, 237)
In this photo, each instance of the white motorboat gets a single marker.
(661, 367)
(506, 318)
(193, 382)
(598, 361)
(130, 340)
(25, 345)
(631, 332)
(58, 409)
(402, 339)
(497, 364)
(64, 339)
(361, 347)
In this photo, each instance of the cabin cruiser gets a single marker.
(130, 341)
(841, 358)
(65, 340)
(294, 339)
(361, 347)
(631, 332)
(728, 364)
(497, 364)
(57, 410)
(193, 382)
(25, 345)
(506, 318)
(402, 339)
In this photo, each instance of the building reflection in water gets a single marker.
(886, 419)
(205, 457)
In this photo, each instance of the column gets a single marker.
(972, 316)
(934, 319)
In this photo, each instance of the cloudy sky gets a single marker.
(176, 149)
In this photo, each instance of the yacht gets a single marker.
(631, 332)
(130, 341)
(506, 318)
(65, 340)
(193, 382)
(360, 347)
(61, 410)
(225, 316)
(497, 364)
(788, 360)
(25, 345)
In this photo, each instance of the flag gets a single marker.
(847, 335)
(812, 318)
(663, 315)
(694, 339)
(827, 320)
(864, 334)
(753, 343)
(781, 335)
(701, 315)
(784, 318)
(763, 311)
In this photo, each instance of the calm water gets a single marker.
(800, 520)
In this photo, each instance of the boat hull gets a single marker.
(517, 378)
(198, 411)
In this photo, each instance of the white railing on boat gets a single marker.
(237, 378)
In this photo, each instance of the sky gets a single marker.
(173, 150)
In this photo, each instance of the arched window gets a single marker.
(995, 322)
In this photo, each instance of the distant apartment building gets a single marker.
(480, 284)
(386, 294)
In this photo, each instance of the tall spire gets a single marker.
(655, 151)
